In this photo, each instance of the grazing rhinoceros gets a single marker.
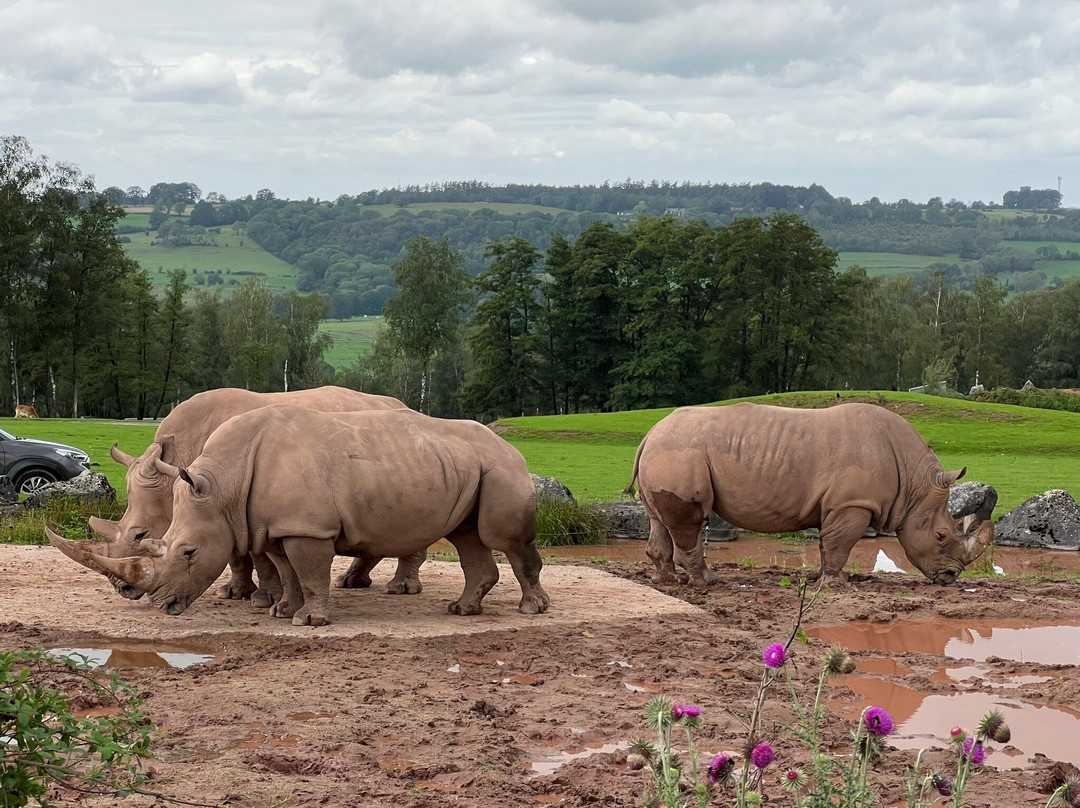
(301, 486)
(775, 469)
(180, 439)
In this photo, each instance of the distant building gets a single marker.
(678, 213)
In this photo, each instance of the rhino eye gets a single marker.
(189, 555)
(142, 534)
(942, 537)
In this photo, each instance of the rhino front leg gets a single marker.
(406, 580)
(292, 597)
(840, 530)
(270, 588)
(478, 564)
(358, 576)
(311, 560)
(240, 585)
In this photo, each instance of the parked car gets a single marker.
(31, 464)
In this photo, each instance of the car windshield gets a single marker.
(6, 435)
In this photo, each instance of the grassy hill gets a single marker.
(504, 208)
(352, 338)
(1019, 450)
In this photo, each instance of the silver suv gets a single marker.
(32, 464)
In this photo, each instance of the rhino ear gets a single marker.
(947, 478)
(106, 528)
(122, 458)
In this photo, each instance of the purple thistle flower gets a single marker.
(762, 755)
(685, 711)
(975, 750)
(720, 769)
(878, 721)
(774, 655)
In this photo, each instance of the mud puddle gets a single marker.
(136, 655)
(552, 763)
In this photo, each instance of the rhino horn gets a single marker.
(122, 458)
(76, 550)
(166, 469)
(106, 528)
(978, 539)
(138, 571)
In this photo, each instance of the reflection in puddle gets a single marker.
(132, 655)
(1020, 640)
(925, 720)
(552, 763)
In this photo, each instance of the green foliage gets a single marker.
(67, 516)
(561, 523)
(46, 744)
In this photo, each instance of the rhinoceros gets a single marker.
(301, 486)
(179, 440)
(776, 469)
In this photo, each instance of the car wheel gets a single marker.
(32, 481)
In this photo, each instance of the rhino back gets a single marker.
(778, 468)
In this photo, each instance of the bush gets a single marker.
(46, 745)
(559, 523)
(67, 516)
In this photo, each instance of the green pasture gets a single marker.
(352, 338)
(886, 264)
(234, 253)
(505, 208)
(1021, 451)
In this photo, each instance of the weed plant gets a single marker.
(559, 523)
(66, 515)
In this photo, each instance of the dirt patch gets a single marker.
(400, 704)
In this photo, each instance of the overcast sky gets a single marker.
(892, 99)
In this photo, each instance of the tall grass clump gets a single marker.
(560, 523)
(66, 515)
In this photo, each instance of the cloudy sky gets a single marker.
(893, 98)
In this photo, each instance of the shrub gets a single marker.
(559, 523)
(46, 745)
(66, 515)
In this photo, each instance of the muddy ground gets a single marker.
(399, 704)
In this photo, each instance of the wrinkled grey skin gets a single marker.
(178, 441)
(391, 483)
(776, 469)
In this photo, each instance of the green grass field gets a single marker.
(887, 264)
(352, 338)
(505, 208)
(1020, 451)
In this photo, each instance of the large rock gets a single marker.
(551, 488)
(972, 498)
(1050, 520)
(626, 519)
(717, 529)
(8, 494)
(90, 485)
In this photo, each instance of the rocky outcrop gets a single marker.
(8, 494)
(90, 485)
(972, 498)
(627, 519)
(1050, 520)
(551, 488)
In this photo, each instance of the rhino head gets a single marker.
(935, 541)
(148, 513)
(191, 554)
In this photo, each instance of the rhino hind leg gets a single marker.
(660, 550)
(311, 560)
(478, 564)
(358, 576)
(526, 563)
(689, 553)
(240, 585)
(406, 580)
(840, 530)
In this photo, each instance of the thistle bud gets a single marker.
(993, 726)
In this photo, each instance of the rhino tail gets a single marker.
(629, 490)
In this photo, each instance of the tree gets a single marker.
(304, 345)
(502, 374)
(174, 336)
(203, 215)
(253, 336)
(427, 310)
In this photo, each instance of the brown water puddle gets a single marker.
(883, 554)
(257, 740)
(552, 763)
(1020, 640)
(137, 655)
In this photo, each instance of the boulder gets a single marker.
(717, 529)
(972, 498)
(1050, 520)
(626, 519)
(551, 488)
(90, 485)
(8, 494)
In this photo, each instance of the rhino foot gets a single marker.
(404, 586)
(305, 617)
(264, 598)
(458, 607)
(665, 577)
(353, 580)
(283, 608)
(534, 604)
(237, 589)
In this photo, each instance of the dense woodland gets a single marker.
(608, 313)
